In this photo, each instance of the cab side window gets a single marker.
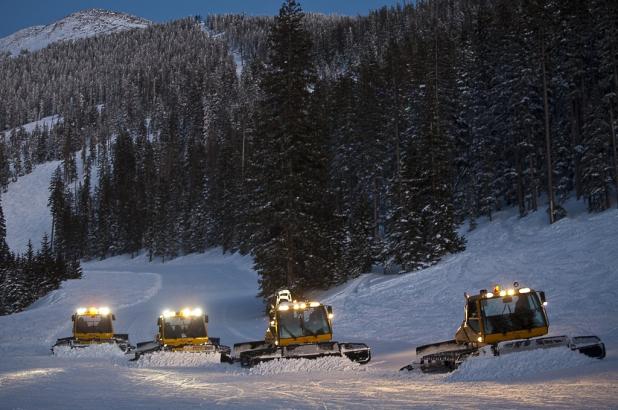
(473, 316)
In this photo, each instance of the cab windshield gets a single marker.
(512, 313)
(183, 327)
(93, 324)
(306, 322)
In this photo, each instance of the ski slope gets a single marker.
(574, 261)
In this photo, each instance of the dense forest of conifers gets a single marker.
(345, 143)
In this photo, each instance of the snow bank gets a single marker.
(322, 364)
(102, 351)
(177, 359)
(519, 365)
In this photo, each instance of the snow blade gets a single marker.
(154, 346)
(121, 340)
(589, 345)
(357, 352)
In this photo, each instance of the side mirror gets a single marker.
(73, 318)
(159, 322)
(542, 295)
(206, 318)
(113, 317)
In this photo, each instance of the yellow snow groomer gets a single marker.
(93, 325)
(507, 320)
(185, 330)
(298, 330)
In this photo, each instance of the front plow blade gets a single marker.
(589, 345)
(357, 352)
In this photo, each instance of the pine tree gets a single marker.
(292, 246)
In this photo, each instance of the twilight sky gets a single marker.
(18, 14)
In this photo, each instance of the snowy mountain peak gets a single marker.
(81, 24)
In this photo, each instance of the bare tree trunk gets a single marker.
(520, 184)
(613, 146)
(575, 139)
(550, 185)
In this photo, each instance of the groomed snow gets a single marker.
(323, 364)
(177, 359)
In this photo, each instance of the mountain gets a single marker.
(85, 23)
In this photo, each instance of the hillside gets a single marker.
(82, 24)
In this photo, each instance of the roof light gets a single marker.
(81, 311)
(284, 307)
(503, 293)
(104, 311)
(511, 292)
(489, 295)
(524, 290)
(314, 304)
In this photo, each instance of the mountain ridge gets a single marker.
(77, 25)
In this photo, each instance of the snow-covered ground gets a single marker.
(85, 23)
(574, 261)
(25, 207)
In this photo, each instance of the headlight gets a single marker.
(511, 292)
(186, 312)
(489, 295)
(480, 339)
(168, 313)
(93, 311)
(331, 315)
(197, 312)
(284, 307)
(81, 311)
(524, 290)
(314, 304)
(104, 311)
(503, 293)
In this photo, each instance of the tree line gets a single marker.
(346, 143)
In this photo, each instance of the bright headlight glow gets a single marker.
(284, 307)
(186, 312)
(104, 311)
(198, 312)
(314, 304)
(544, 303)
(503, 293)
(295, 306)
(524, 290)
(511, 292)
(93, 311)
(303, 305)
(330, 315)
(81, 311)
(489, 295)
(480, 339)
(168, 313)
